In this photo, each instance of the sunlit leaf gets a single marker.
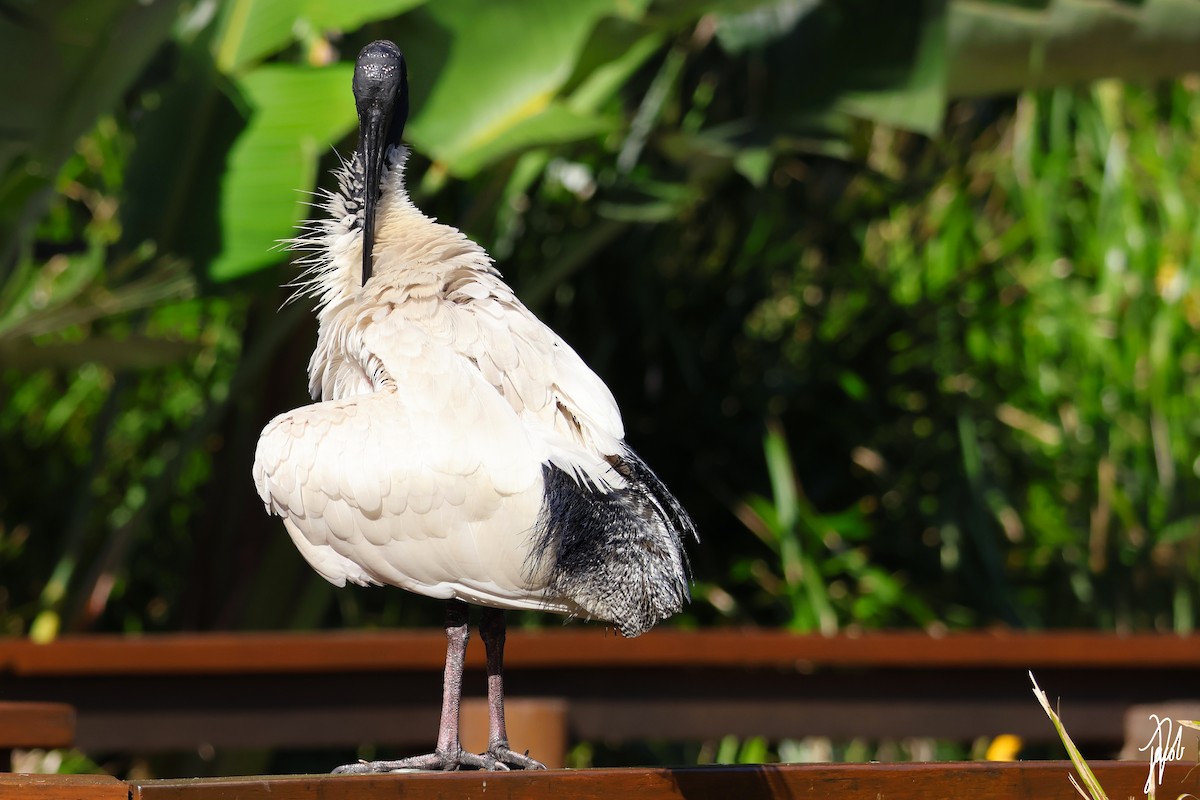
(249, 30)
(470, 92)
(615, 50)
(754, 164)
(297, 112)
(554, 124)
(334, 15)
(783, 478)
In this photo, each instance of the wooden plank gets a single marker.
(222, 653)
(62, 787)
(156, 693)
(47, 725)
(955, 781)
(225, 653)
(399, 710)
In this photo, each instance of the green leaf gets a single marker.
(754, 164)
(172, 188)
(1094, 789)
(837, 57)
(757, 27)
(553, 125)
(996, 48)
(74, 60)
(903, 81)
(334, 15)
(616, 49)
(470, 92)
(665, 201)
(1180, 530)
(783, 478)
(298, 112)
(853, 384)
(682, 14)
(250, 30)
(138, 352)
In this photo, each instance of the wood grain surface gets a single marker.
(949, 781)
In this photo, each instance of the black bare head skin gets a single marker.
(381, 97)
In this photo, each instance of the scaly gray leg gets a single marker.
(491, 630)
(449, 754)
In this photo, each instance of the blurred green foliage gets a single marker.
(912, 352)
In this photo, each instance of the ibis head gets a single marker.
(381, 97)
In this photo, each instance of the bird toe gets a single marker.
(510, 759)
(437, 761)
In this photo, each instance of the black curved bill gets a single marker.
(381, 98)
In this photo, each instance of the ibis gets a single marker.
(457, 447)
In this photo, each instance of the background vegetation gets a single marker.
(899, 298)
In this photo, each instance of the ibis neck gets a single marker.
(411, 249)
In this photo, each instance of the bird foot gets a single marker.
(439, 761)
(513, 760)
(498, 758)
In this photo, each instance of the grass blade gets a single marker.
(1094, 790)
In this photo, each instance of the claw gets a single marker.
(509, 759)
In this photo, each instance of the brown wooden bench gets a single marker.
(34, 725)
(319, 690)
(62, 787)
(1047, 780)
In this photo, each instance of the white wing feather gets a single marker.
(560, 399)
(399, 487)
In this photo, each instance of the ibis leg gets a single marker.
(491, 630)
(449, 754)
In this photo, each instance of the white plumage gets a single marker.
(460, 449)
(444, 396)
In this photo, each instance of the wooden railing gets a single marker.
(146, 694)
(341, 690)
(320, 690)
(1047, 780)
(34, 725)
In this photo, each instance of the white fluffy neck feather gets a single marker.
(411, 250)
